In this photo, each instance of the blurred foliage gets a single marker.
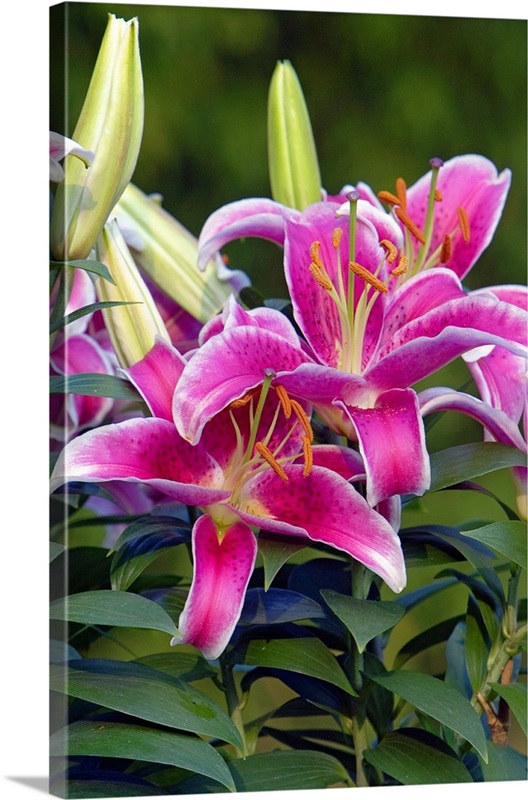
(385, 93)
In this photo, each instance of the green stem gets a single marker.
(358, 728)
(234, 706)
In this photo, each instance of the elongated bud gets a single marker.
(293, 166)
(133, 328)
(111, 126)
(168, 254)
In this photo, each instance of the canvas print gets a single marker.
(288, 356)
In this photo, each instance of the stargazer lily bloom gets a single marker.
(254, 467)
(368, 345)
(449, 216)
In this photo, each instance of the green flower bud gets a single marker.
(111, 126)
(167, 252)
(294, 169)
(133, 328)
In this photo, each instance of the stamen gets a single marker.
(308, 455)
(337, 234)
(284, 400)
(388, 197)
(300, 413)
(390, 249)
(315, 269)
(446, 250)
(401, 191)
(401, 268)
(268, 456)
(409, 224)
(463, 221)
(367, 276)
(242, 401)
(314, 254)
(438, 195)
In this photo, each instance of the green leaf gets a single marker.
(365, 619)
(476, 648)
(127, 788)
(507, 537)
(307, 655)
(504, 764)
(411, 761)
(185, 666)
(56, 549)
(515, 695)
(115, 740)
(108, 607)
(96, 267)
(467, 461)
(145, 693)
(275, 552)
(89, 309)
(426, 638)
(285, 770)
(441, 701)
(94, 384)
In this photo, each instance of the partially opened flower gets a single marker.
(255, 467)
(369, 345)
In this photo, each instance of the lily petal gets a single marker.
(156, 376)
(324, 508)
(259, 217)
(392, 442)
(498, 423)
(145, 450)
(224, 369)
(467, 181)
(222, 569)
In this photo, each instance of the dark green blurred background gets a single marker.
(385, 94)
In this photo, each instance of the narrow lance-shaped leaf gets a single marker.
(440, 701)
(365, 619)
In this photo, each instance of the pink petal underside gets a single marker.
(343, 460)
(224, 369)
(497, 423)
(500, 378)
(429, 342)
(471, 182)
(145, 450)
(156, 376)
(392, 442)
(260, 217)
(267, 318)
(325, 508)
(222, 569)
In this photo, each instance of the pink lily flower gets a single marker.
(255, 467)
(368, 345)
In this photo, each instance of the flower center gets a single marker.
(353, 298)
(418, 250)
(263, 441)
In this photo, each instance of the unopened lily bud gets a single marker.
(294, 169)
(111, 126)
(168, 253)
(133, 328)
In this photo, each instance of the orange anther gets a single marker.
(367, 276)
(438, 195)
(337, 234)
(401, 191)
(308, 455)
(301, 415)
(314, 254)
(445, 253)
(242, 401)
(463, 221)
(321, 279)
(388, 197)
(268, 456)
(401, 268)
(409, 224)
(284, 400)
(390, 249)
